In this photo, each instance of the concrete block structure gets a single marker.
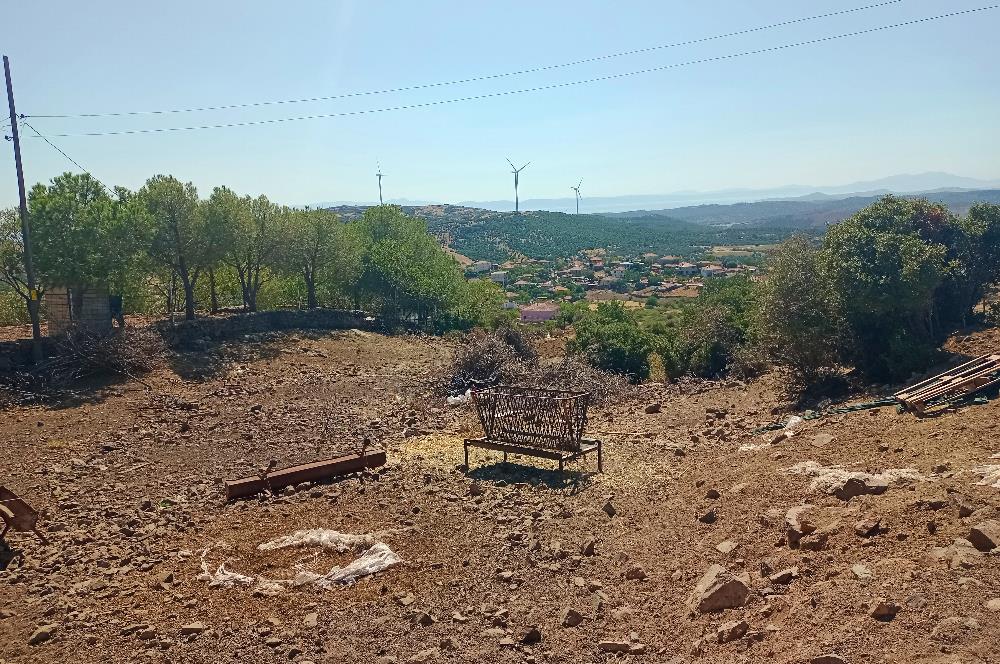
(90, 309)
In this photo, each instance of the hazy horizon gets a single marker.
(899, 184)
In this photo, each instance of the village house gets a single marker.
(712, 271)
(539, 312)
(686, 269)
(480, 266)
(498, 277)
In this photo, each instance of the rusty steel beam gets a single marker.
(309, 472)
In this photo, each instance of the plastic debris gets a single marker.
(222, 578)
(374, 557)
(321, 537)
(460, 399)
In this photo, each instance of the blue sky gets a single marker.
(919, 98)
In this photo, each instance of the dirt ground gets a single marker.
(500, 563)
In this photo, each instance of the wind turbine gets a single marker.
(516, 171)
(379, 176)
(577, 190)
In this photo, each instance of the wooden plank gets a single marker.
(971, 367)
(309, 472)
(961, 379)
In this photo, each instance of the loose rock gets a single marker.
(718, 590)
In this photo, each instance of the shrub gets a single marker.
(798, 322)
(611, 340)
(12, 309)
(491, 358)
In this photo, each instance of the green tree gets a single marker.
(256, 245)
(325, 252)
(12, 258)
(181, 237)
(82, 237)
(885, 265)
(798, 320)
(982, 225)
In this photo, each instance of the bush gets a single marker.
(798, 321)
(491, 358)
(612, 340)
(12, 309)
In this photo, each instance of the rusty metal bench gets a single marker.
(17, 514)
(535, 422)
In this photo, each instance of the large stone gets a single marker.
(718, 590)
(785, 576)
(986, 535)
(860, 486)
(571, 618)
(614, 646)
(954, 629)
(884, 610)
(959, 555)
(635, 573)
(42, 634)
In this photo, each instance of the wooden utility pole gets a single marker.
(29, 268)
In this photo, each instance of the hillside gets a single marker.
(483, 234)
(487, 235)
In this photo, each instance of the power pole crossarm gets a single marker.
(29, 267)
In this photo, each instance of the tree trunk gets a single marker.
(188, 296)
(213, 292)
(309, 277)
(311, 301)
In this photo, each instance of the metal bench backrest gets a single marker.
(533, 417)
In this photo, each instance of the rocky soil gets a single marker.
(864, 537)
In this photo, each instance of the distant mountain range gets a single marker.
(482, 233)
(934, 183)
(807, 212)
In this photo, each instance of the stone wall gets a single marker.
(196, 333)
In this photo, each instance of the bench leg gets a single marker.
(600, 458)
(466, 457)
(505, 458)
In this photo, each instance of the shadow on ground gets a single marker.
(574, 479)
(212, 358)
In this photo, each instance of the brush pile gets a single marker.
(80, 355)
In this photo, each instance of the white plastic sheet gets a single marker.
(374, 556)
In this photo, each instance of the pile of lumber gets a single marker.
(960, 382)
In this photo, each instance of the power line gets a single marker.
(539, 88)
(60, 151)
(488, 77)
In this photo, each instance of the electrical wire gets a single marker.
(60, 151)
(488, 77)
(506, 93)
